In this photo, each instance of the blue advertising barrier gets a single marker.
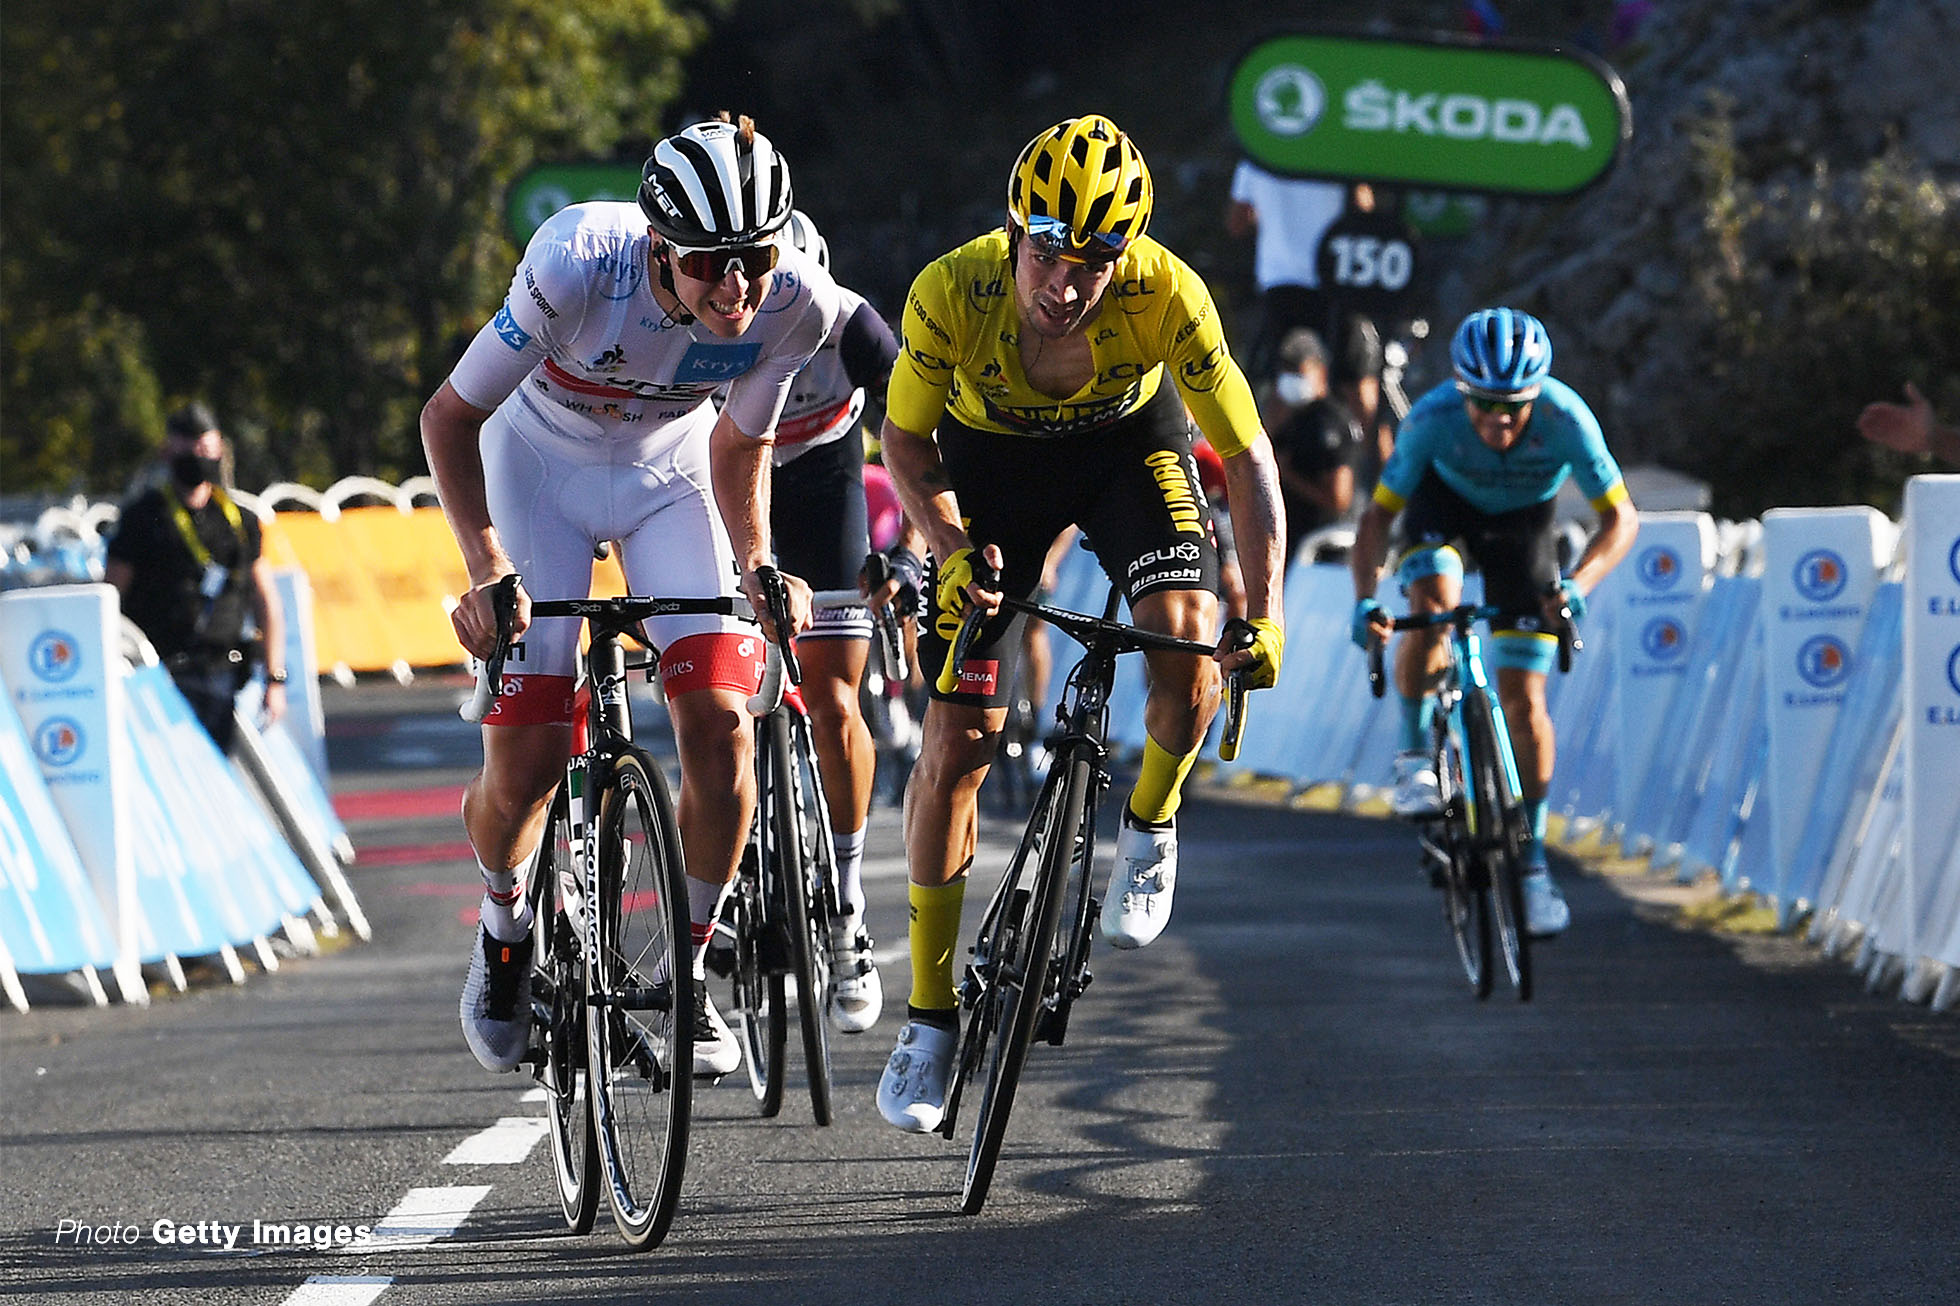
(50, 922)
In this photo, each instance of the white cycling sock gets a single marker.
(506, 909)
(703, 909)
(850, 874)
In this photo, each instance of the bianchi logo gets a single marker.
(1290, 100)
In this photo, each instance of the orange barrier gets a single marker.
(383, 582)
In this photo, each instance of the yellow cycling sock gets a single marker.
(935, 932)
(1161, 776)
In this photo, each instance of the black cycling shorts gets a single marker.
(1132, 487)
(1517, 550)
(817, 522)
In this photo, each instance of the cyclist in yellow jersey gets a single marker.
(1043, 379)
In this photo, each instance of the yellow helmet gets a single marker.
(1080, 190)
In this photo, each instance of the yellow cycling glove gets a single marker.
(955, 574)
(1268, 642)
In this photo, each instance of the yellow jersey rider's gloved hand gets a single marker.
(955, 574)
(1268, 641)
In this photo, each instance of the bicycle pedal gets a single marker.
(720, 958)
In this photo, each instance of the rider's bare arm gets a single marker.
(1258, 525)
(451, 428)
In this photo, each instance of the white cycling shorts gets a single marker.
(553, 499)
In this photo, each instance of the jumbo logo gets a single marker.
(1823, 661)
(1820, 575)
(1659, 568)
(54, 656)
(58, 741)
(1662, 639)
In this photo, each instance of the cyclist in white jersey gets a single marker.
(582, 413)
(818, 520)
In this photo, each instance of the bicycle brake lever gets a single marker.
(1241, 635)
(986, 577)
(490, 677)
(775, 596)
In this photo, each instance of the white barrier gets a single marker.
(1659, 602)
(1932, 719)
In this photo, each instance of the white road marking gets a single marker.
(424, 1216)
(508, 1142)
(338, 1290)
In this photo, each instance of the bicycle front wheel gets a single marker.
(805, 864)
(640, 1045)
(1025, 962)
(1496, 823)
(1466, 892)
(558, 989)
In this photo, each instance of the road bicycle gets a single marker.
(612, 1013)
(1474, 845)
(1031, 956)
(777, 924)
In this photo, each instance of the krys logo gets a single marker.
(54, 656)
(1662, 639)
(58, 741)
(1823, 661)
(1659, 567)
(1820, 575)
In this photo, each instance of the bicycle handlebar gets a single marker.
(775, 594)
(1090, 632)
(614, 614)
(1460, 617)
(891, 648)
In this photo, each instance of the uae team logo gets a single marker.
(1659, 567)
(1820, 575)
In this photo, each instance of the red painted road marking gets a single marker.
(409, 854)
(399, 804)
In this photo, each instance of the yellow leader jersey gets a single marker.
(960, 350)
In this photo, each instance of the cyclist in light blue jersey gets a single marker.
(1477, 466)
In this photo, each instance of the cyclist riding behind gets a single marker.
(1049, 358)
(582, 413)
(817, 515)
(1479, 460)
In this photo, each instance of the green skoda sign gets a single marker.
(1501, 119)
(549, 187)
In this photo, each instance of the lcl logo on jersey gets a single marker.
(1662, 639)
(1823, 661)
(1659, 567)
(54, 656)
(58, 741)
(1820, 575)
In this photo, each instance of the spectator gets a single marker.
(1910, 427)
(1289, 215)
(1317, 443)
(1357, 383)
(187, 564)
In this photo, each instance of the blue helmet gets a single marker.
(1502, 352)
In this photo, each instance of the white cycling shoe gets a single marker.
(716, 1049)
(912, 1093)
(1416, 791)
(857, 995)
(496, 1004)
(1545, 912)
(1137, 905)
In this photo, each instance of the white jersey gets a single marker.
(582, 350)
(823, 405)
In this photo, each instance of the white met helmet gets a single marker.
(804, 235)
(716, 185)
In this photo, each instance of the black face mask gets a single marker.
(190, 470)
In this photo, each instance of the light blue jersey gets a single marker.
(1562, 437)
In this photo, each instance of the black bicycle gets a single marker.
(1031, 957)
(1474, 844)
(612, 1008)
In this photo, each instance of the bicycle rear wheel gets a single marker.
(558, 991)
(640, 1044)
(806, 864)
(759, 999)
(1497, 822)
(1466, 893)
(1024, 963)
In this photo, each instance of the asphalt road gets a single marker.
(1292, 1097)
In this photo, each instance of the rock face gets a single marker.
(1801, 84)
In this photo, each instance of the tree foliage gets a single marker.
(293, 210)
